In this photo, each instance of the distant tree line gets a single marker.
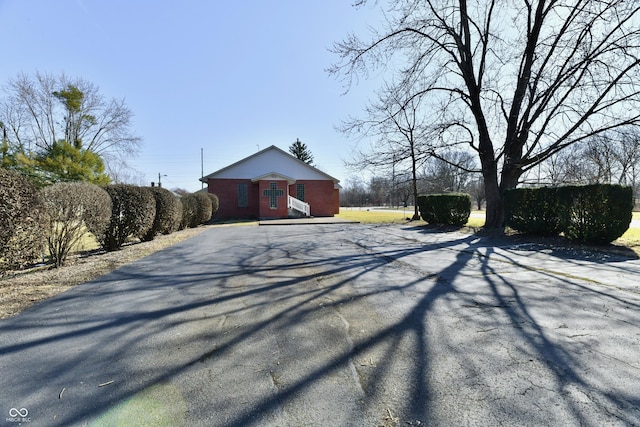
(610, 158)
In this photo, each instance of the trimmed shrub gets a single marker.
(189, 208)
(452, 209)
(132, 214)
(196, 210)
(204, 210)
(74, 208)
(598, 213)
(168, 213)
(533, 211)
(215, 204)
(22, 221)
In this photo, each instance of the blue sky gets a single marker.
(223, 76)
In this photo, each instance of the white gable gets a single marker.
(268, 161)
(274, 176)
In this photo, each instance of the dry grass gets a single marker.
(375, 217)
(630, 239)
(23, 289)
(366, 216)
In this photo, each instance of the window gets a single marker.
(300, 192)
(243, 195)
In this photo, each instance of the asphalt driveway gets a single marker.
(339, 324)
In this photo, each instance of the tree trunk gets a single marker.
(495, 209)
(414, 183)
(494, 191)
(494, 217)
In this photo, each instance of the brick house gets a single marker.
(273, 184)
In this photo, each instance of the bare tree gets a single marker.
(476, 189)
(601, 156)
(41, 110)
(403, 189)
(629, 158)
(353, 193)
(380, 190)
(517, 81)
(611, 157)
(451, 172)
(400, 141)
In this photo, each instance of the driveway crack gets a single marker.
(352, 368)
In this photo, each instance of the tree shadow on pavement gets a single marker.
(403, 295)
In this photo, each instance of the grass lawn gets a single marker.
(375, 217)
(393, 217)
(630, 238)
(87, 242)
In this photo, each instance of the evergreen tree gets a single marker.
(300, 151)
(63, 162)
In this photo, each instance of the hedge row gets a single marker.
(58, 216)
(452, 209)
(598, 213)
(21, 221)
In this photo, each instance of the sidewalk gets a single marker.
(309, 220)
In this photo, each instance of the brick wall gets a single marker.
(227, 192)
(320, 195)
